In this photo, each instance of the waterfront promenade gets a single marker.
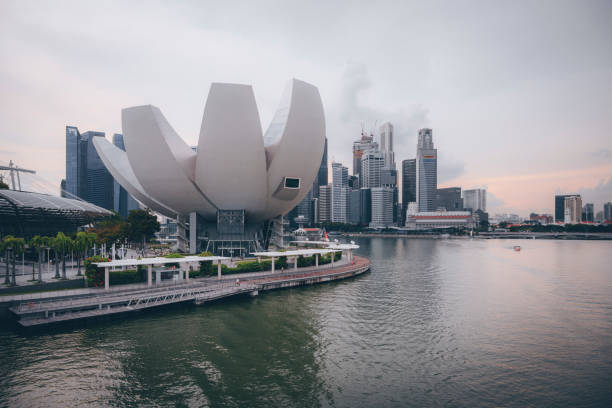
(35, 309)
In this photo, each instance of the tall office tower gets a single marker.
(426, 171)
(449, 198)
(382, 207)
(386, 144)
(372, 163)
(365, 208)
(573, 209)
(560, 207)
(607, 216)
(325, 199)
(408, 185)
(122, 200)
(475, 199)
(599, 217)
(100, 185)
(588, 213)
(304, 208)
(359, 148)
(340, 191)
(354, 215)
(73, 139)
(322, 174)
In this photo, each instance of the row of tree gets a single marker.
(61, 245)
(139, 226)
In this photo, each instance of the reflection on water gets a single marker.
(437, 322)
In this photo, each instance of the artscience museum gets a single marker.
(229, 196)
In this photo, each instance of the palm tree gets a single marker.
(55, 244)
(17, 248)
(5, 247)
(38, 243)
(62, 243)
(82, 242)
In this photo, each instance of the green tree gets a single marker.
(141, 225)
(38, 243)
(16, 247)
(3, 185)
(5, 247)
(61, 244)
(82, 243)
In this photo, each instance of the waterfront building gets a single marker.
(543, 219)
(325, 199)
(426, 171)
(560, 207)
(588, 213)
(340, 191)
(322, 174)
(449, 199)
(73, 159)
(475, 199)
(365, 208)
(607, 216)
(365, 143)
(573, 209)
(439, 219)
(224, 204)
(408, 186)
(599, 217)
(382, 207)
(123, 201)
(386, 144)
(372, 163)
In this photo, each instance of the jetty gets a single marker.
(59, 309)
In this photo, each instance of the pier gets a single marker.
(195, 291)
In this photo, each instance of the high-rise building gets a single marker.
(354, 215)
(408, 185)
(449, 198)
(86, 174)
(372, 163)
(426, 171)
(588, 213)
(123, 201)
(321, 179)
(365, 209)
(361, 146)
(560, 207)
(573, 209)
(607, 216)
(325, 200)
(386, 144)
(340, 192)
(475, 199)
(382, 207)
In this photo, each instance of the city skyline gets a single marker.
(503, 105)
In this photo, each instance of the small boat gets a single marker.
(516, 248)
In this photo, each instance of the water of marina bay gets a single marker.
(457, 322)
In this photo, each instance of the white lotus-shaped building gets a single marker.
(236, 166)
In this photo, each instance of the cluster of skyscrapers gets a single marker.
(370, 196)
(87, 177)
(569, 210)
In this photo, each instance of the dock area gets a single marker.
(104, 303)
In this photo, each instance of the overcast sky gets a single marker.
(518, 93)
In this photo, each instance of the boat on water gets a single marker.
(516, 248)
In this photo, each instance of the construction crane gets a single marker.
(14, 169)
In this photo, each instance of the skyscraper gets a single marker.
(475, 199)
(449, 198)
(359, 148)
(408, 185)
(588, 213)
(372, 163)
(573, 209)
(72, 161)
(560, 207)
(607, 216)
(123, 202)
(426, 171)
(321, 179)
(340, 192)
(325, 199)
(386, 144)
(354, 215)
(382, 207)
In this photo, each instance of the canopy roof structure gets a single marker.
(25, 213)
(158, 261)
(297, 252)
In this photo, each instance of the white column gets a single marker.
(272, 264)
(157, 277)
(187, 272)
(106, 278)
(333, 254)
(219, 269)
(193, 229)
(149, 275)
(295, 263)
(317, 260)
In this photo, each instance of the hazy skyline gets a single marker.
(518, 94)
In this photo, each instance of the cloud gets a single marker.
(599, 194)
(601, 154)
(449, 168)
(494, 203)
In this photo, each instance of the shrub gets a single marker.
(174, 255)
(127, 276)
(94, 276)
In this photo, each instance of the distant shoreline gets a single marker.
(586, 236)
